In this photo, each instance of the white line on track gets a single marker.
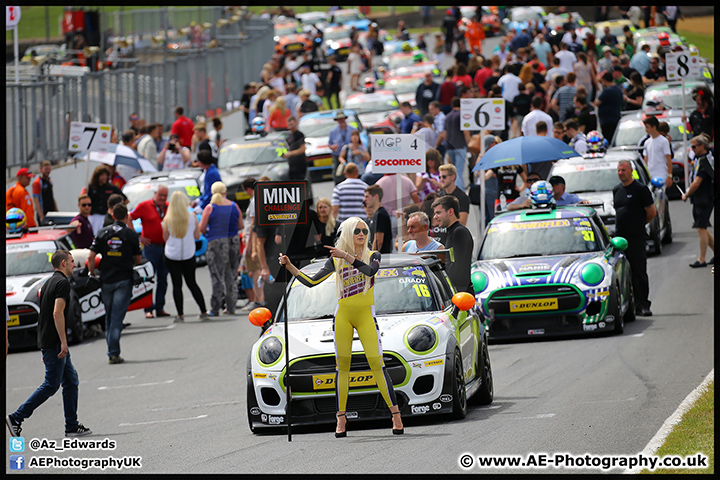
(81, 381)
(150, 329)
(215, 404)
(161, 421)
(105, 387)
(668, 425)
(534, 417)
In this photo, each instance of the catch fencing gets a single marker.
(202, 81)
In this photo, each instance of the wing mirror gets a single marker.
(464, 301)
(259, 316)
(617, 243)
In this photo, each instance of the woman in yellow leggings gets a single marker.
(355, 267)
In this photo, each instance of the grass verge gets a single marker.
(704, 42)
(693, 434)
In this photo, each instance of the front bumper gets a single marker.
(422, 387)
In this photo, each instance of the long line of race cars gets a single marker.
(571, 279)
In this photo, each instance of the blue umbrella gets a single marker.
(522, 150)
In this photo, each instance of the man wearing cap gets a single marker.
(562, 197)
(605, 63)
(338, 138)
(18, 196)
(42, 191)
(578, 141)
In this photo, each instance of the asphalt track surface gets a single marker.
(179, 399)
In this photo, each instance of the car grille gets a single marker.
(568, 298)
(303, 370)
(26, 312)
(365, 402)
(294, 47)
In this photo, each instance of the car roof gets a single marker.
(284, 24)
(180, 174)
(327, 114)
(347, 10)
(39, 236)
(376, 92)
(269, 137)
(336, 28)
(406, 77)
(391, 260)
(407, 54)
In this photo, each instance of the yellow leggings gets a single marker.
(362, 320)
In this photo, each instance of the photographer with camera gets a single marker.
(173, 156)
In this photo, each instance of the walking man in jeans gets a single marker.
(54, 305)
(152, 212)
(120, 250)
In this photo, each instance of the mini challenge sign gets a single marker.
(401, 153)
(281, 203)
(482, 114)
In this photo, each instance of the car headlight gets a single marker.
(592, 274)
(335, 46)
(421, 339)
(479, 281)
(270, 351)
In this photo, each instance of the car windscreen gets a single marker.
(397, 290)
(251, 153)
(404, 85)
(346, 17)
(286, 30)
(320, 127)
(629, 132)
(375, 103)
(671, 97)
(29, 258)
(593, 177)
(522, 15)
(539, 238)
(139, 192)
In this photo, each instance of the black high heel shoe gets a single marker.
(341, 434)
(398, 431)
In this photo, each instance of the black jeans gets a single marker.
(184, 268)
(637, 257)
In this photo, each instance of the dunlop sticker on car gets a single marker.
(357, 379)
(432, 363)
(533, 305)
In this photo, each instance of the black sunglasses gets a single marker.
(358, 230)
(444, 176)
(86, 204)
(693, 146)
(531, 180)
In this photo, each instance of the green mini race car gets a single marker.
(552, 271)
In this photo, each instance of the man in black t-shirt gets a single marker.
(448, 173)
(458, 240)
(119, 246)
(381, 238)
(634, 208)
(296, 151)
(333, 82)
(702, 196)
(54, 306)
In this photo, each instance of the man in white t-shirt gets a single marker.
(509, 83)
(555, 70)
(657, 152)
(310, 80)
(567, 58)
(536, 115)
